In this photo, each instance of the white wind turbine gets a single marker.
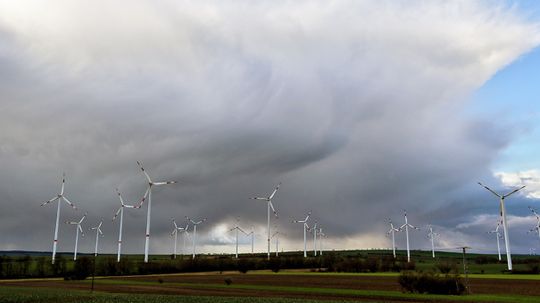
(407, 225)
(121, 212)
(59, 197)
(175, 234)
(98, 233)
(149, 194)
(195, 232)
(314, 231)
(304, 223)
(537, 227)
(237, 229)
(392, 232)
(269, 205)
(505, 224)
(79, 228)
(431, 236)
(499, 236)
(252, 235)
(276, 235)
(321, 237)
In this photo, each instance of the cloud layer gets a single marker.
(356, 106)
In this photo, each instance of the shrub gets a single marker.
(228, 281)
(431, 283)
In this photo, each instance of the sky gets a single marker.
(361, 109)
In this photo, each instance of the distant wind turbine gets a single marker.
(269, 205)
(237, 229)
(305, 226)
(77, 230)
(195, 223)
(174, 233)
(392, 232)
(98, 233)
(121, 212)
(149, 195)
(407, 225)
(431, 235)
(59, 197)
(498, 236)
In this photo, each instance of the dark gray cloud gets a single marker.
(359, 114)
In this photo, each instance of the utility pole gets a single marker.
(466, 269)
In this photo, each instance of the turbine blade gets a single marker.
(82, 219)
(63, 183)
(273, 209)
(514, 191)
(117, 212)
(496, 194)
(143, 198)
(51, 200)
(144, 172)
(164, 183)
(274, 192)
(120, 197)
(71, 222)
(259, 198)
(68, 202)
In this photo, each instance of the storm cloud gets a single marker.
(358, 107)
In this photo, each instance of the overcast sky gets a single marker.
(360, 108)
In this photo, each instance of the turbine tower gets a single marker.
(98, 232)
(195, 232)
(175, 234)
(237, 229)
(304, 223)
(407, 225)
(269, 205)
(149, 195)
(499, 236)
(59, 197)
(392, 232)
(121, 212)
(537, 227)
(79, 228)
(505, 224)
(431, 235)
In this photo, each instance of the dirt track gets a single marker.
(478, 286)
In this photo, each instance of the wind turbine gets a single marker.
(175, 234)
(392, 232)
(121, 212)
(252, 234)
(59, 197)
(498, 235)
(98, 232)
(304, 222)
(269, 205)
(149, 194)
(79, 228)
(505, 224)
(314, 231)
(237, 229)
(537, 227)
(195, 232)
(276, 235)
(407, 225)
(321, 237)
(431, 236)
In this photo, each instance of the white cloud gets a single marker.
(529, 178)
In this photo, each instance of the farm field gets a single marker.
(266, 286)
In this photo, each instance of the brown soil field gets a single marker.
(478, 286)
